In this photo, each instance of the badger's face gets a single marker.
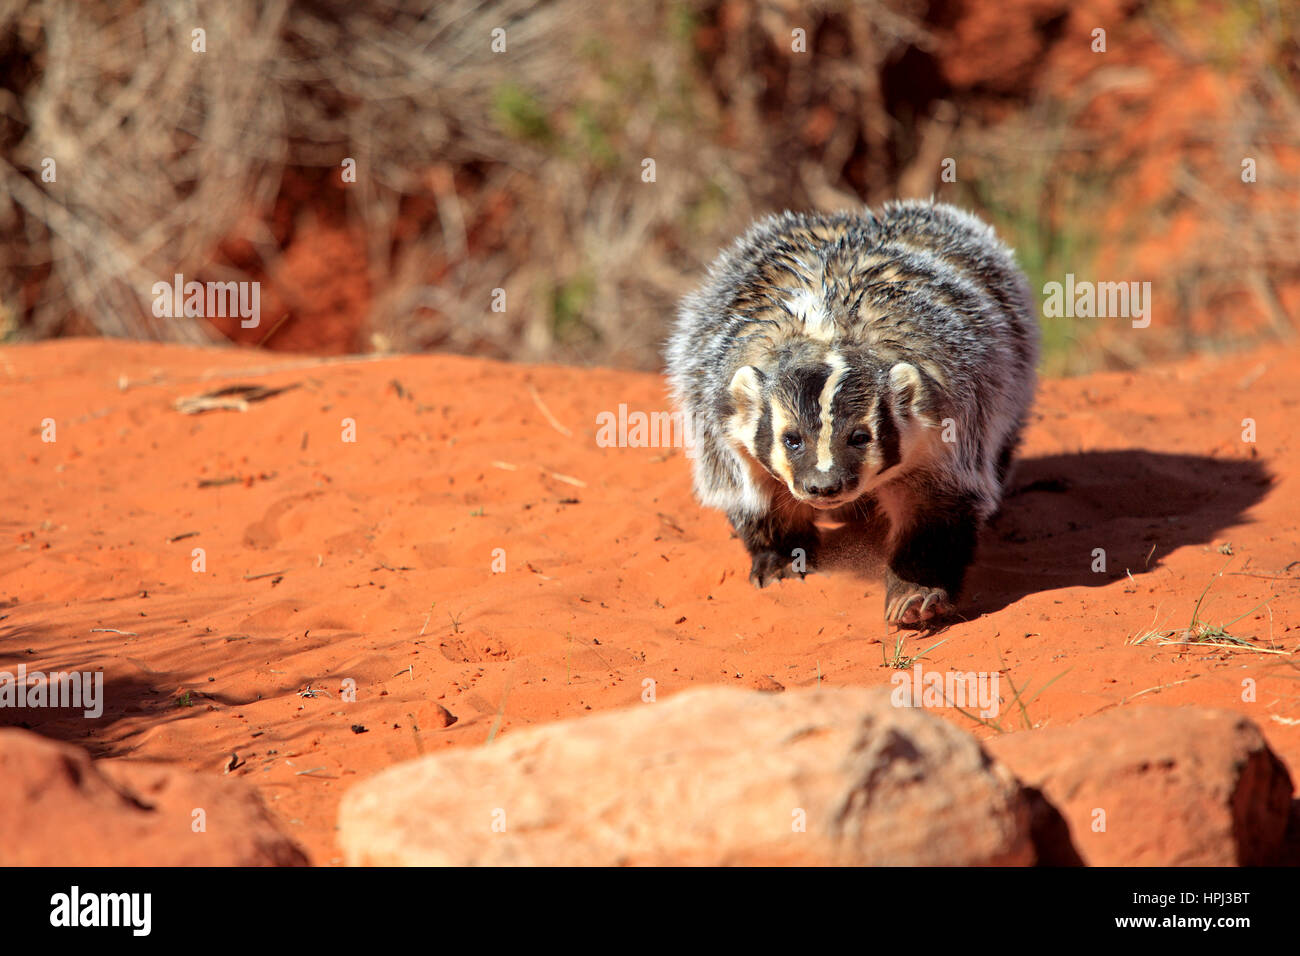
(830, 424)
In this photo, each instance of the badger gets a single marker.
(866, 364)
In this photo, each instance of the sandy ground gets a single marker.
(372, 561)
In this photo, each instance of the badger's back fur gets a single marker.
(833, 360)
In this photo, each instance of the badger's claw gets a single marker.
(771, 566)
(908, 603)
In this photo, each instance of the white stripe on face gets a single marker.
(780, 460)
(838, 367)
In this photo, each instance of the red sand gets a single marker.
(373, 560)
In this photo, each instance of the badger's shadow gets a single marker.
(1136, 506)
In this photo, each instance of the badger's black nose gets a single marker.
(823, 487)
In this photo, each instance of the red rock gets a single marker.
(1172, 786)
(706, 777)
(60, 808)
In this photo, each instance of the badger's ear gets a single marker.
(911, 395)
(746, 389)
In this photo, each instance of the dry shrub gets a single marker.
(518, 175)
(1128, 166)
(151, 146)
(477, 171)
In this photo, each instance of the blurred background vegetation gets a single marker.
(522, 170)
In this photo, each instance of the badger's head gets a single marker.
(831, 423)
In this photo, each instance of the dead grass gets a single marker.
(1202, 633)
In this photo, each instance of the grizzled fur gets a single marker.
(831, 361)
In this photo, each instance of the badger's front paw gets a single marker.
(908, 603)
(772, 566)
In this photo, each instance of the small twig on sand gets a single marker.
(415, 731)
(268, 574)
(537, 400)
(1151, 690)
(578, 482)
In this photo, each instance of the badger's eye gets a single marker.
(793, 440)
(860, 438)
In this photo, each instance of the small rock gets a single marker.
(431, 715)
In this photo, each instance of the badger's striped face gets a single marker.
(828, 424)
